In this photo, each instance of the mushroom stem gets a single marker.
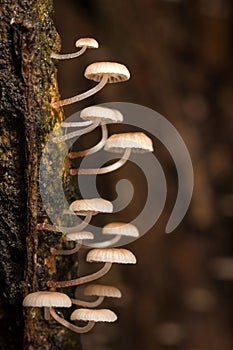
(47, 227)
(66, 252)
(69, 325)
(104, 170)
(46, 313)
(76, 132)
(93, 149)
(81, 280)
(65, 56)
(82, 96)
(106, 244)
(84, 303)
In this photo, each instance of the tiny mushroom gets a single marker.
(105, 116)
(76, 237)
(99, 290)
(117, 143)
(105, 255)
(119, 229)
(83, 207)
(83, 44)
(100, 315)
(101, 72)
(47, 300)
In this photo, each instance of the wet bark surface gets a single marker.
(27, 87)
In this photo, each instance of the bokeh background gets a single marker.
(179, 295)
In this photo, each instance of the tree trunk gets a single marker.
(28, 84)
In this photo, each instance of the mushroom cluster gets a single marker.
(101, 251)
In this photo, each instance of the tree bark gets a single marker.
(28, 85)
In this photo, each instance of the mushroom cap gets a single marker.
(47, 299)
(120, 228)
(92, 205)
(100, 290)
(76, 236)
(90, 43)
(112, 255)
(116, 72)
(136, 141)
(101, 315)
(104, 114)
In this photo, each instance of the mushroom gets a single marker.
(118, 229)
(105, 116)
(106, 255)
(101, 315)
(83, 207)
(103, 73)
(83, 44)
(99, 290)
(125, 142)
(74, 237)
(47, 300)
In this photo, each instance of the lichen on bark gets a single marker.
(27, 86)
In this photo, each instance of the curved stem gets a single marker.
(76, 124)
(81, 280)
(80, 227)
(106, 244)
(76, 133)
(65, 56)
(82, 96)
(71, 326)
(84, 303)
(104, 170)
(93, 149)
(66, 252)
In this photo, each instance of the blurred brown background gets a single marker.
(180, 57)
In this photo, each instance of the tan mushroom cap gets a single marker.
(112, 255)
(136, 141)
(104, 114)
(116, 72)
(120, 228)
(101, 315)
(90, 43)
(79, 236)
(47, 299)
(101, 290)
(92, 205)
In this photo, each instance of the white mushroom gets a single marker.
(106, 255)
(118, 229)
(101, 315)
(83, 44)
(76, 237)
(83, 207)
(103, 73)
(99, 290)
(105, 116)
(117, 143)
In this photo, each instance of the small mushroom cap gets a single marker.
(92, 205)
(101, 315)
(79, 235)
(47, 299)
(120, 228)
(116, 72)
(90, 43)
(104, 114)
(101, 290)
(112, 255)
(136, 141)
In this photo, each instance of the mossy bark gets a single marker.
(27, 87)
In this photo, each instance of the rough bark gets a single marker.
(28, 84)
